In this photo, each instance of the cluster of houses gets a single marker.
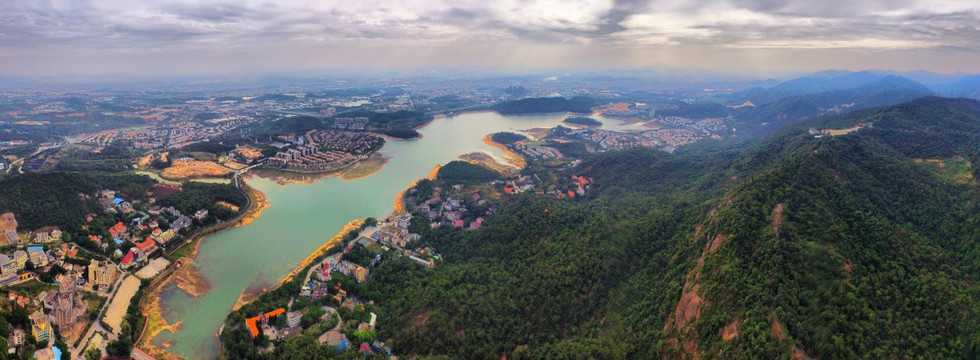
(66, 309)
(520, 185)
(316, 288)
(291, 157)
(451, 211)
(325, 150)
(10, 236)
(261, 325)
(346, 123)
(143, 247)
(535, 151)
(578, 186)
(396, 233)
(344, 141)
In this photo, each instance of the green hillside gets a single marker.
(790, 246)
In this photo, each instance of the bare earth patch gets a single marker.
(689, 307)
(191, 281)
(117, 308)
(730, 331)
(419, 320)
(777, 330)
(183, 170)
(777, 218)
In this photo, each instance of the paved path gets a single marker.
(97, 324)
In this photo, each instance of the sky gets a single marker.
(194, 37)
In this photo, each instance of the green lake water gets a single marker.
(301, 217)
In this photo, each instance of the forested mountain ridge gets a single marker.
(863, 245)
(834, 247)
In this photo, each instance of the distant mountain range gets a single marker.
(855, 95)
(819, 82)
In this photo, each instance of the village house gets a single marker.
(293, 318)
(12, 237)
(20, 259)
(37, 255)
(403, 221)
(360, 274)
(128, 260)
(180, 223)
(166, 236)
(102, 273)
(40, 326)
(16, 339)
(42, 237)
(146, 247)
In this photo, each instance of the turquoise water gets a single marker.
(301, 217)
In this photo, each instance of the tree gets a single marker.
(93, 354)
(121, 347)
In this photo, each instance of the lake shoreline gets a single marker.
(512, 157)
(153, 310)
(321, 208)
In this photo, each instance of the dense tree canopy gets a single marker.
(832, 247)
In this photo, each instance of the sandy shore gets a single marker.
(399, 207)
(156, 324)
(512, 157)
(487, 161)
(367, 167)
(259, 204)
(191, 281)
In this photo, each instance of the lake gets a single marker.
(301, 217)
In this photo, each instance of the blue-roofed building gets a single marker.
(118, 201)
(35, 248)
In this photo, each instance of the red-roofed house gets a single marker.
(119, 227)
(251, 322)
(458, 223)
(127, 260)
(147, 246)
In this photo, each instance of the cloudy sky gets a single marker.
(57, 37)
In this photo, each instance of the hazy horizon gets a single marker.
(193, 38)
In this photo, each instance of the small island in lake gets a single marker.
(582, 121)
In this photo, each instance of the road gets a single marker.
(97, 324)
(242, 171)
